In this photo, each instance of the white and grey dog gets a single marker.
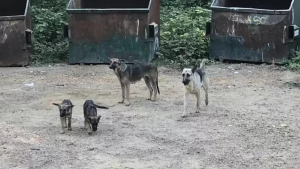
(193, 79)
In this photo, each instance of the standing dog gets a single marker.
(131, 73)
(193, 80)
(65, 109)
(91, 120)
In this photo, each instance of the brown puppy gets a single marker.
(65, 112)
(131, 73)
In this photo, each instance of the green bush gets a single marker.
(294, 63)
(48, 19)
(183, 37)
(182, 31)
(186, 3)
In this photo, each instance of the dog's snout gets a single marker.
(94, 128)
(112, 66)
(185, 81)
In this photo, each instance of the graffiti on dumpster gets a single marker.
(251, 19)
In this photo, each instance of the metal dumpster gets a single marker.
(15, 32)
(254, 31)
(98, 29)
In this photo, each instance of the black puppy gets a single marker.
(91, 119)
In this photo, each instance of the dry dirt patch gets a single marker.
(252, 120)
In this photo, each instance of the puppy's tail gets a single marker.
(203, 63)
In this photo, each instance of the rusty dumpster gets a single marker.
(263, 31)
(15, 32)
(126, 29)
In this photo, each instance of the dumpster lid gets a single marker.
(13, 9)
(109, 6)
(255, 6)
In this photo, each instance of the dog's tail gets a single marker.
(157, 83)
(203, 63)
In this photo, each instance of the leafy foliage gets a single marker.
(48, 18)
(186, 3)
(294, 63)
(183, 37)
(182, 31)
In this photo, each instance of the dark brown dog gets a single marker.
(131, 73)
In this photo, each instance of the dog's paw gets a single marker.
(153, 100)
(183, 116)
(127, 104)
(120, 102)
(198, 111)
(65, 126)
(70, 129)
(148, 99)
(62, 132)
(90, 133)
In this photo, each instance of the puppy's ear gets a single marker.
(71, 106)
(56, 104)
(194, 69)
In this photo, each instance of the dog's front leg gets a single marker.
(127, 99)
(62, 121)
(89, 128)
(65, 123)
(123, 93)
(85, 123)
(198, 102)
(185, 104)
(69, 123)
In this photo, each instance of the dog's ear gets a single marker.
(56, 104)
(194, 69)
(71, 106)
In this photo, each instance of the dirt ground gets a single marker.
(252, 120)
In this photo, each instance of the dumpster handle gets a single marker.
(28, 33)
(66, 31)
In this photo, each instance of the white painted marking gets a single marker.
(137, 27)
(296, 33)
(4, 38)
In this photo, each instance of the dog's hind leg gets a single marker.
(123, 93)
(154, 84)
(198, 102)
(127, 99)
(147, 81)
(205, 87)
